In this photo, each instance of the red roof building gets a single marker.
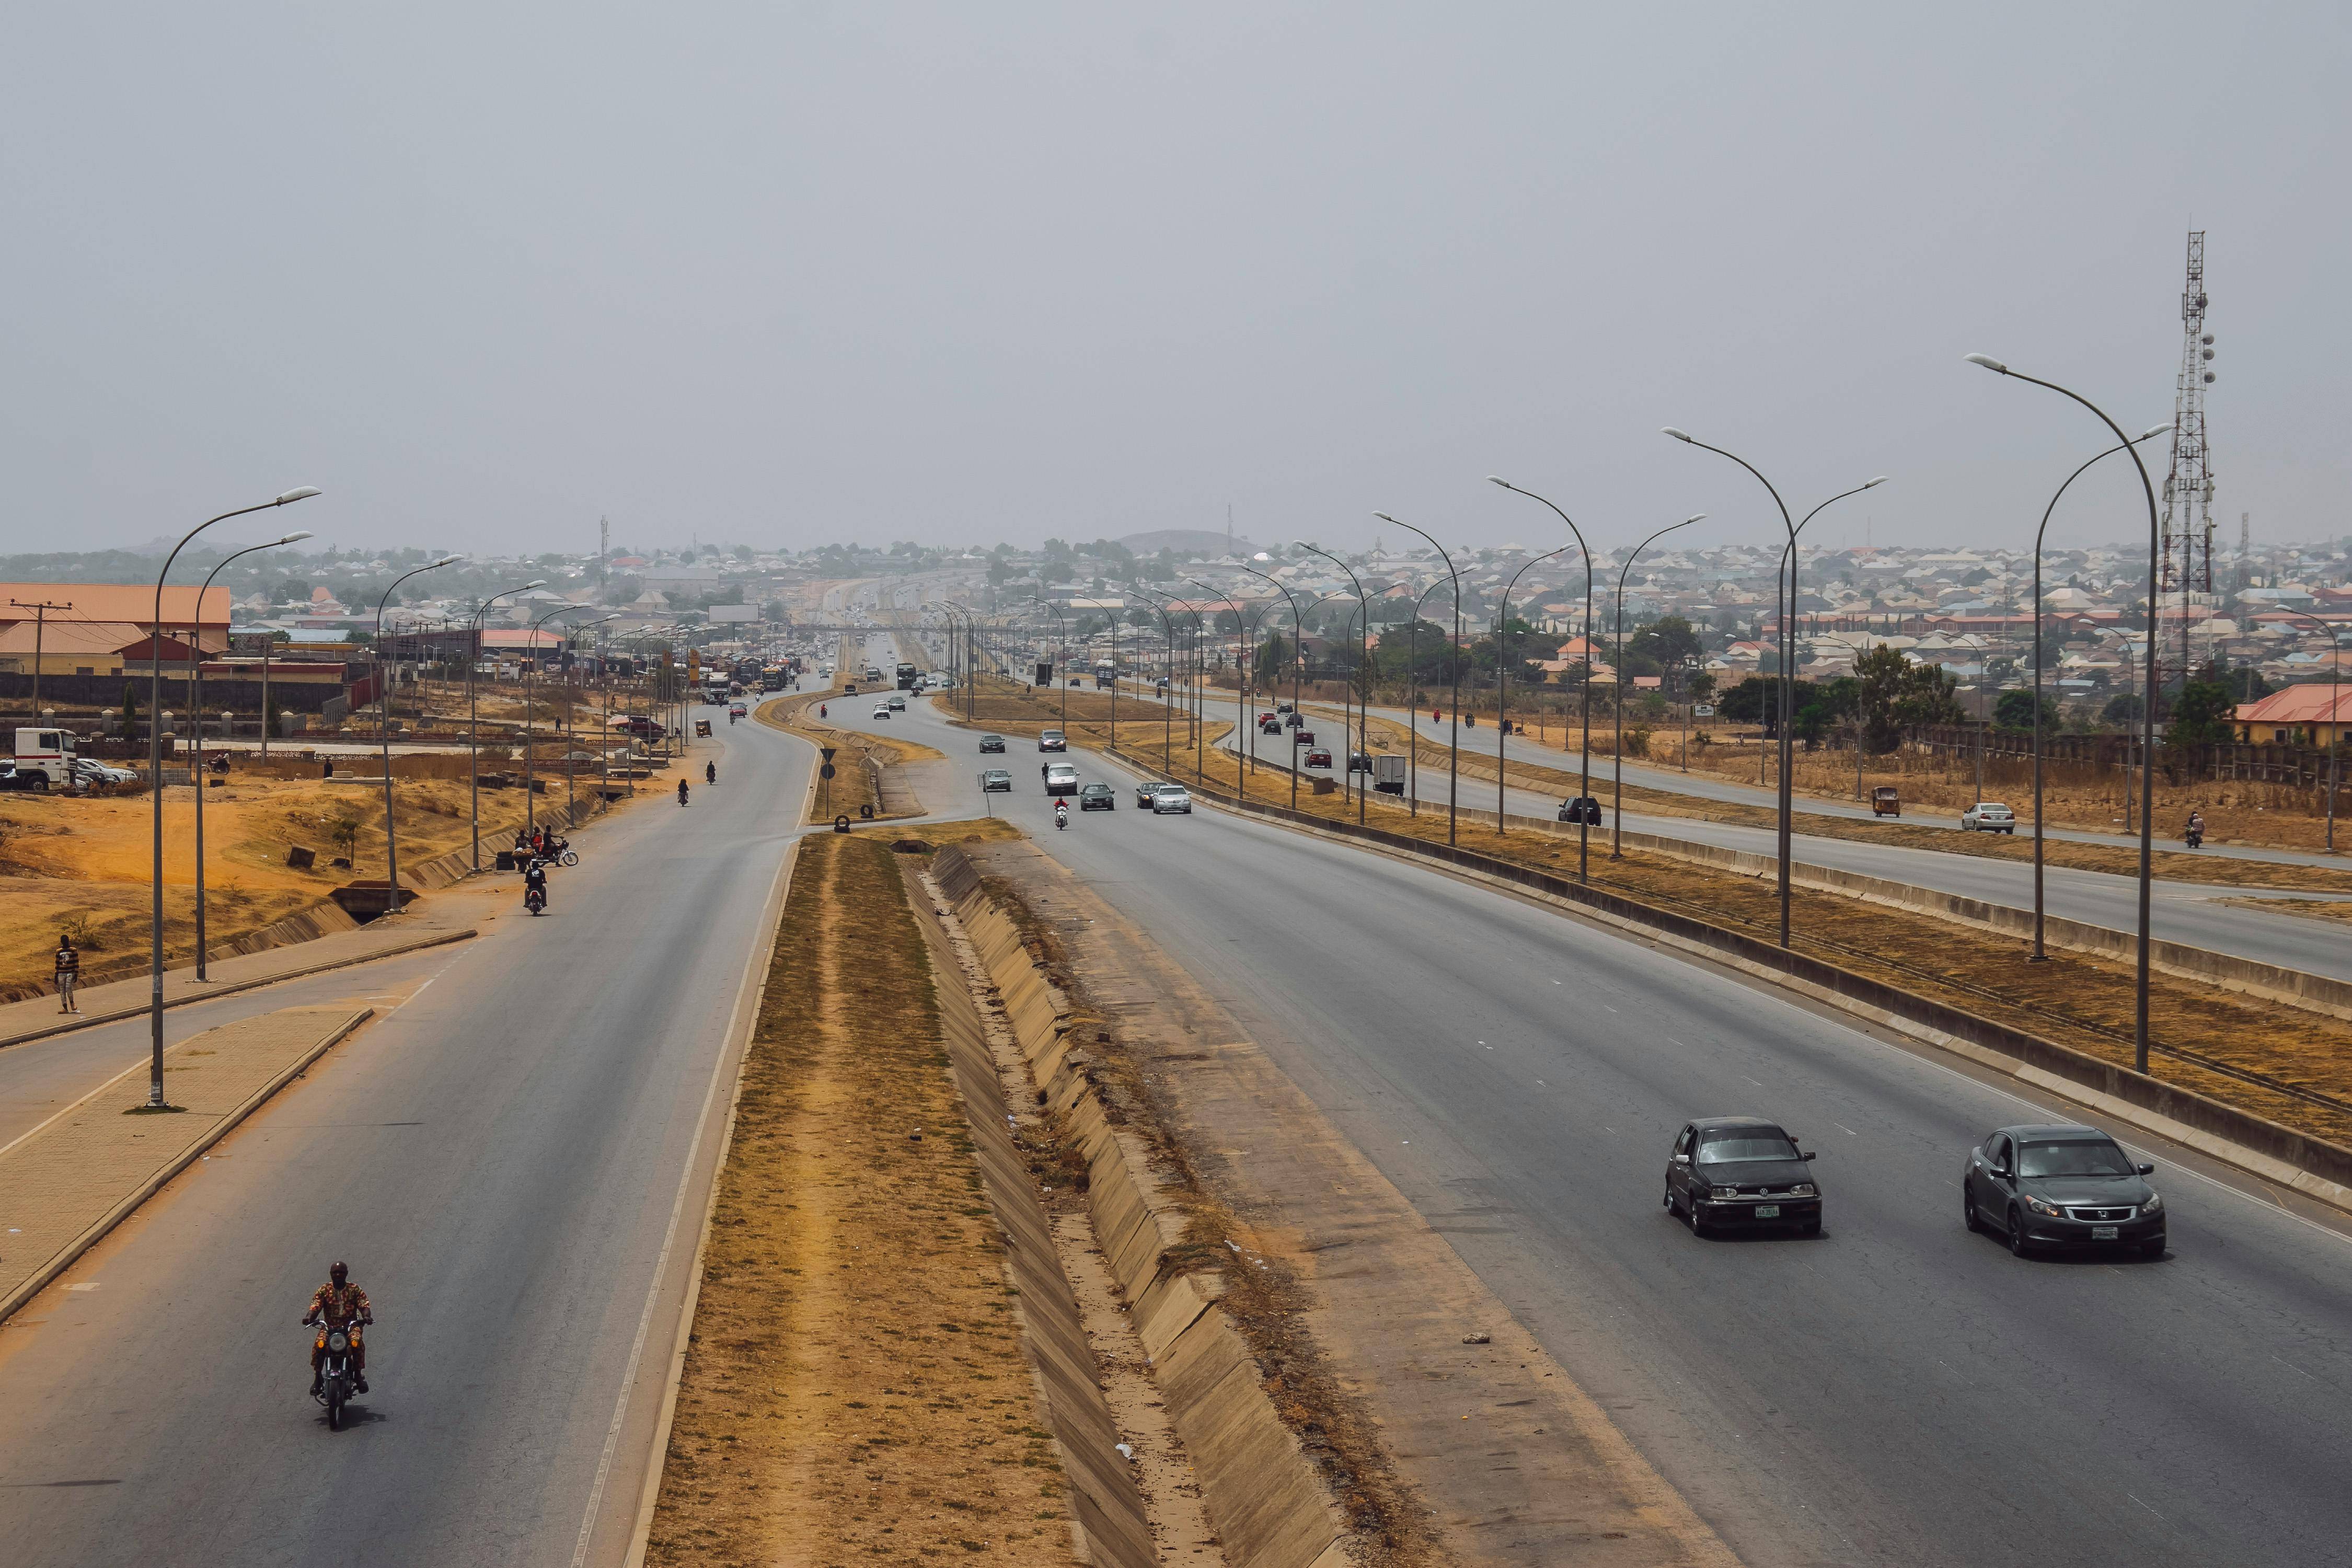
(2313, 712)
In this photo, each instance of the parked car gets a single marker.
(2061, 1185)
(1169, 798)
(1061, 778)
(1098, 797)
(1053, 741)
(1743, 1173)
(996, 779)
(90, 771)
(1147, 789)
(1318, 759)
(992, 743)
(1581, 808)
(1989, 816)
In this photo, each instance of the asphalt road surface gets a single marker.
(499, 1159)
(1897, 1391)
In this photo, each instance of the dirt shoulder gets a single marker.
(2291, 1065)
(854, 1389)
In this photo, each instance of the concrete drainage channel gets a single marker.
(1261, 1498)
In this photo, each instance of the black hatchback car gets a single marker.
(992, 743)
(2062, 1185)
(1741, 1172)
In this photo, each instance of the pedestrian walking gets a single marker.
(68, 974)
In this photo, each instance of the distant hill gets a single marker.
(1187, 542)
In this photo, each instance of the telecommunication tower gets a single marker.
(2185, 551)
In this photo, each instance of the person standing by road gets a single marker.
(68, 974)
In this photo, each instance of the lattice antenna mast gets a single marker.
(2187, 536)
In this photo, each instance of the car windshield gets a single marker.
(1750, 1143)
(2073, 1157)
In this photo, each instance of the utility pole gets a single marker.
(603, 552)
(40, 608)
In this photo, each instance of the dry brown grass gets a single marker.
(2084, 1003)
(83, 863)
(854, 1390)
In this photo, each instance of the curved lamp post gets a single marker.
(1617, 643)
(2039, 956)
(1502, 665)
(1785, 606)
(1297, 628)
(529, 686)
(1453, 746)
(1363, 654)
(473, 715)
(196, 705)
(1584, 789)
(1413, 696)
(1167, 713)
(383, 733)
(1062, 638)
(156, 783)
(1240, 695)
(2148, 708)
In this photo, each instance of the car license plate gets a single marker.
(2103, 1233)
(1767, 1211)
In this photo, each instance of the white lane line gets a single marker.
(669, 1241)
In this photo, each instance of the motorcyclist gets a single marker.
(681, 792)
(1061, 814)
(534, 878)
(2196, 831)
(710, 773)
(339, 1304)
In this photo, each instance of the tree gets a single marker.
(292, 590)
(1702, 685)
(2014, 710)
(1669, 641)
(1273, 656)
(1058, 550)
(743, 553)
(1892, 692)
(1822, 705)
(2123, 711)
(2203, 715)
(1754, 700)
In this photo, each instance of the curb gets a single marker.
(93, 1020)
(658, 1460)
(156, 1181)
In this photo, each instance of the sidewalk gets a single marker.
(70, 1180)
(447, 916)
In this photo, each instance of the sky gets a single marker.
(789, 274)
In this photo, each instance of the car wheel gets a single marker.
(1690, 1213)
(2018, 1246)
(1669, 1199)
(1968, 1210)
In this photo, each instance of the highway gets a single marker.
(2185, 912)
(499, 1157)
(1896, 1392)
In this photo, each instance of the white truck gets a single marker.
(48, 754)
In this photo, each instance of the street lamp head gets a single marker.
(1986, 361)
(297, 537)
(300, 492)
(2153, 431)
(444, 561)
(1695, 516)
(1386, 517)
(1498, 480)
(1677, 435)
(1876, 483)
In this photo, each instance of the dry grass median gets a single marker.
(854, 1391)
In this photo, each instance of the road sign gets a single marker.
(827, 751)
(825, 771)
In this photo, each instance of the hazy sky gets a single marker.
(787, 274)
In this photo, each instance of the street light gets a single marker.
(530, 690)
(1785, 607)
(383, 733)
(1061, 647)
(1297, 632)
(1502, 663)
(2148, 708)
(473, 715)
(1584, 788)
(1453, 743)
(196, 706)
(1617, 809)
(2040, 955)
(1167, 713)
(155, 781)
(1363, 655)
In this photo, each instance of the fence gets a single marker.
(2301, 768)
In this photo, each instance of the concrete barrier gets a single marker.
(1269, 1508)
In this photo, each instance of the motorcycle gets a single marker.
(2195, 837)
(710, 773)
(534, 899)
(338, 1373)
(1061, 815)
